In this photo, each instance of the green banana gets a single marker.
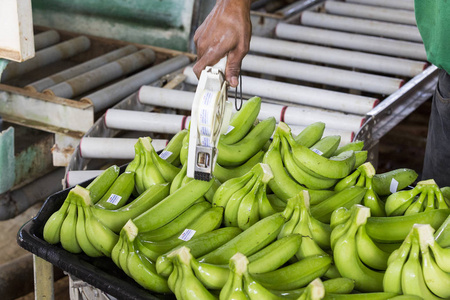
(368, 251)
(442, 234)
(291, 223)
(228, 188)
(406, 297)
(200, 245)
(354, 146)
(339, 285)
(211, 276)
(413, 282)
(183, 282)
(276, 203)
(68, 230)
(185, 148)
(231, 211)
(241, 122)
(100, 236)
(223, 174)
(98, 187)
(116, 219)
(139, 167)
(52, 228)
(172, 206)
(395, 229)
(295, 275)
(172, 151)
(177, 181)
(327, 145)
(238, 153)
(167, 170)
(151, 174)
(361, 296)
(282, 184)
(360, 157)
(119, 192)
(397, 203)
(81, 236)
(143, 271)
(248, 242)
(345, 198)
(208, 221)
(234, 287)
(392, 280)
(274, 255)
(256, 291)
(335, 167)
(371, 199)
(300, 173)
(115, 252)
(176, 226)
(347, 181)
(382, 182)
(311, 134)
(436, 279)
(347, 259)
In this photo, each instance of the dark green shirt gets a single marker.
(433, 21)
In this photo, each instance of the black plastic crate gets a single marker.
(100, 272)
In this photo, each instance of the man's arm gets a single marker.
(226, 31)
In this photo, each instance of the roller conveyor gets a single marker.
(113, 148)
(46, 39)
(352, 41)
(402, 4)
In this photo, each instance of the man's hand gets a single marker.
(226, 31)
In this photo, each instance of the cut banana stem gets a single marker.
(118, 148)
(353, 41)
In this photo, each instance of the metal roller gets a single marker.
(101, 75)
(45, 39)
(298, 115)
(300, 94)
(384, 29)
(351, 41)
(89, 65)
(338, 57)
(323, 75)
(346, 136)
(371, 12)
(112, 94)
(77, 177)
(47, 56)
(145, 121)
(403, 4)
(112, 148)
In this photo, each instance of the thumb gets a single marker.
(233, 68)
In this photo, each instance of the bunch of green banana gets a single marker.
(207, 221)
(182, 281)
(315, 234)
(350, 247)
(97, 188)
(115, 219)
(340, 285)
(335, 167)
(119, 192)
(415, 270)
(171, 153)
(136, 265)
(223, 173)
(200, 245)
(384, 183)
(282, 184)
(173, 205)
(149, 167)
(236, 154)
(425, 196)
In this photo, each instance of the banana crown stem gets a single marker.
(239, 263)
(367, 169)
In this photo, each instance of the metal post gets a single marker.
(43, 279)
